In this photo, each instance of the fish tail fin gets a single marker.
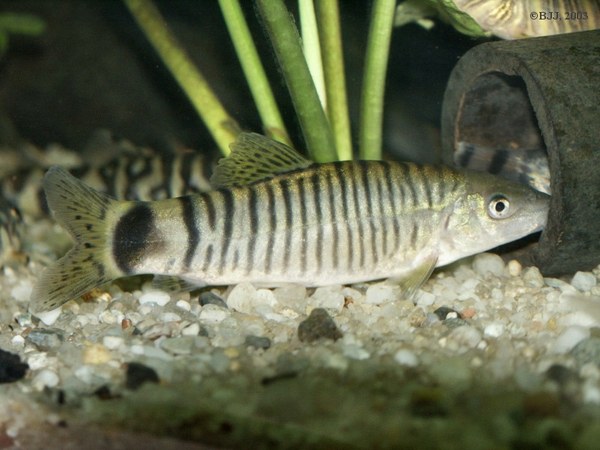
(86, 214)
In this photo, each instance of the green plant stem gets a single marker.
(285, 40)
(220, 124)
(254, 71)
(380, 32)
(330, 35)
(312, 47)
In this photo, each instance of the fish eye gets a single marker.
(499, 207)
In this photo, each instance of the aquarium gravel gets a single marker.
(489, 354)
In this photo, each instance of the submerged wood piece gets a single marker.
(539, 92)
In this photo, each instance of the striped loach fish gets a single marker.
(277, 218)
(136, 174)
(524, 165)
(142, 175)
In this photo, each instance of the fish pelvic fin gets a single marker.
(86, 214)
(413, 281)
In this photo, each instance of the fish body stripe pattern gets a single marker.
(311, 224)
(248, 227)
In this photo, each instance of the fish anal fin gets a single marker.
(255, 158)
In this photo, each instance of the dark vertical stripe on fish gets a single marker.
(208, 258)
(303, 224)
(272, 209)
(341, 179)
(393, 199)
(410, 183)
(211, 213)
(498, 161)
(228, 216)
(284, 185)
(366, 181)
(316, 188)
(424, 181)
(354, 177)
(466, 155)
(253, 211)
(187, 210)
(380, 200)
(335, 232)
(414, 235)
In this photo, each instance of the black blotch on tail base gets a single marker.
(132, 238)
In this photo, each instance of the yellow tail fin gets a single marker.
(86, 214)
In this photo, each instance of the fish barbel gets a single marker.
(276, 218)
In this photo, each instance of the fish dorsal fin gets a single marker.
(255, 158)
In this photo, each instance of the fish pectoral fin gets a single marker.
(255, 158)
(173, 284)
(415, 279)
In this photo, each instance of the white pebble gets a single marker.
(514, 268)
(328, 297)
(184, 305)
(18, 341)
(381, 293)
(159, 298)
(488, 263)
(466, 336)
(38, 361)
(22, 291)
(170, 317)
(354, 351)
(569, 338)
(533, 277)
(494, 330)
(265, 297)
(584, 281)
(112, 342)
(45, 378)
(242, 298)
(591, 393)
(49, 317)
(213, 314)
(406, 358)
(111, 317)
(425, 299)
(191, 330)
(291, 295)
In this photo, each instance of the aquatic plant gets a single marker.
(18, 23)
(323, 119)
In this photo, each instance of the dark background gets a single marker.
(93, 69)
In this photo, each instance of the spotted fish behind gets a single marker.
(277, 218)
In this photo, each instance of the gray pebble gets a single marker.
(318, 325)
(45, 338)
(258, 342)
(210, 298)
(455, 323)
(587, 351)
